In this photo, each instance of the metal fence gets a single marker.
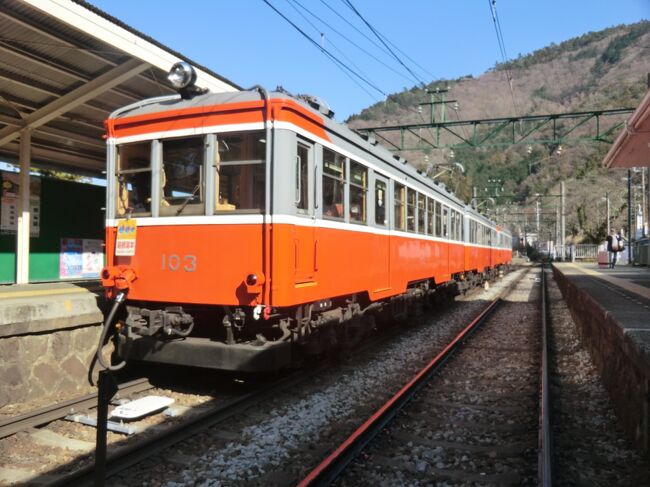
(576, 252)
(641, 251)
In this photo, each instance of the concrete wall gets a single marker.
(620, 358)
(48, 336)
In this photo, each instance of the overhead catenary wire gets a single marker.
(344, 67)
(502, 48)
(352, 42)
(381, 39)
(363, 34)
(293, 3)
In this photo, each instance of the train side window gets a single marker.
(241, 171)
(302, 181)
(410, 209)
(445, 221)
(380, 203)
(430, 214)
(422, 208)
(334, 178)
(134, 179)
(358, 190)
(181, 177)
(399, 203)
(459, 226)
(438, 219)
(452, 226)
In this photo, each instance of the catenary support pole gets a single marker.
(629, 216)
(23, 227)
(563, 216)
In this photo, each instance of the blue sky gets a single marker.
(248, 43)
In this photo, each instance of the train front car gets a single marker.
(245, 227)
(187, 234)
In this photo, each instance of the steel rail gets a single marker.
(545, 457)
(47, 414)
(330, 468)
(129, 455)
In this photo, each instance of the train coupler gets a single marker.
(171, 321)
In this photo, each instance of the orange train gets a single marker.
(250, 227)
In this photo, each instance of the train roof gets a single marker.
(174, 102)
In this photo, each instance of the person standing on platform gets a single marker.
(617, 245)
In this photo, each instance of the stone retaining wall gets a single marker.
(46, 364)
(622, 365)
(48, 336)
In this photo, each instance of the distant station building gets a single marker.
(64, 67)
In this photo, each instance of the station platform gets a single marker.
(48, 336)
(611, 308)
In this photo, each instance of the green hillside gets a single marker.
(598, 70)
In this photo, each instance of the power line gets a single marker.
(337, 61)
(365, 51)
(291, 3)
(363, 34)
(502, 48)
(380, 37)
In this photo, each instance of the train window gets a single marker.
(459, 226)
(302, 182)
(410, 210)
(452, 226)
(134, 179)
(422, 208)
(380, 203)
(438, 219)
(430, 214)
(445, 221)
(181, 177)
(358, 190)
(333, 184)
(241, 171)
(398, 199)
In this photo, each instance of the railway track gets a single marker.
(475, 421)
(39, 417)
(78, 469)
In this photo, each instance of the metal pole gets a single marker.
(629, 215)
(648, 201)
(537, 219)
(23, 227)
(643, 206)
(562, 214)
(106, 389)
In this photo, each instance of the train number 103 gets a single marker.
(174, 262)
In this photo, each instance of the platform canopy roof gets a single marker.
(632, 147)
(64, 67)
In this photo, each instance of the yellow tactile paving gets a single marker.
(627, 285)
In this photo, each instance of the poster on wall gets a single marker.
(9, 204)
(80, 258)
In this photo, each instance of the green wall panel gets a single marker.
(68, 210)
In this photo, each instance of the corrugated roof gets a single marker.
(64, 67)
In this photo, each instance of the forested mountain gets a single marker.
(598, 70)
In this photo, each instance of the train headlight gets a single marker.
(181, 75)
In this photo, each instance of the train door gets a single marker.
(381, 248)
(305, 265)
